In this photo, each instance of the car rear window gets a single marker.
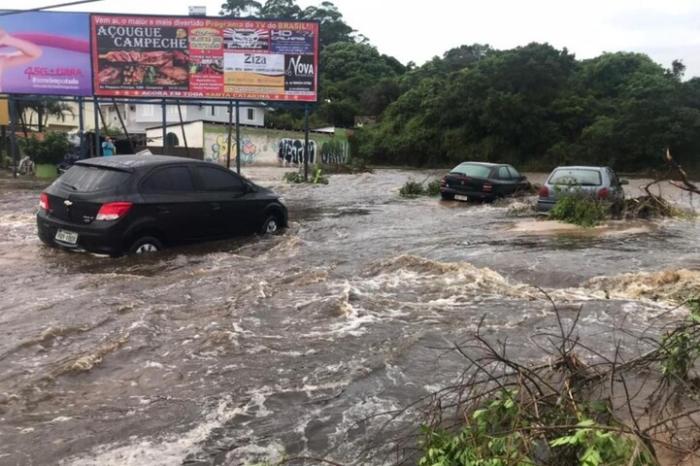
(86, 178)
(477, 171)
(576, 176)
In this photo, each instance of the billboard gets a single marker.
(45, 53)
(210, 58)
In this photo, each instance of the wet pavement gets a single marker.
(253, 349)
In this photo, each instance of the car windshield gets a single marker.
(575, 176)
(86, 179)
(469, 169)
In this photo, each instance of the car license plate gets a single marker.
(461, 198)
(68, 237)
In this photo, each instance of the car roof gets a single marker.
(133, 162)
(485, 164)
(580, 167)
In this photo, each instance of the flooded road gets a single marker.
(254, 349)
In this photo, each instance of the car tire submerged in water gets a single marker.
(447, 196)
(145, 245)
(271, 226)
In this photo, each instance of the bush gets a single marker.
(315, 177)
(411, 188)
(51, 150)
(580, 210)
(500, 433)
(433, 188)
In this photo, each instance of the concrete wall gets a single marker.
(260, 146)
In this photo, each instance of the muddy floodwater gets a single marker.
(248, 350)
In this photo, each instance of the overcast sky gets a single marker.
(416, 31)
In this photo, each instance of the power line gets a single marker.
(47, 7)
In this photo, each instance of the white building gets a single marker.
(138, 117)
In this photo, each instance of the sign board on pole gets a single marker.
(190, 57)
(4, 112)
(45, 53)
(197, 10)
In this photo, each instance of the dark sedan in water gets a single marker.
(142, 203)
(482, 181)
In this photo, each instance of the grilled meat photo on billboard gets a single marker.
(135, 68)
(142, 57)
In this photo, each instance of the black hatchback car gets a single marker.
(482, 181)
(132, 204)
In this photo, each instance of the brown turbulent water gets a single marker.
(246, 350)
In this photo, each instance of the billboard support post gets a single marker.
(306, 143)
(230, 128)
(13, 135)
(81, 128)
(182, 127)
(124, 128)
(164, 123)
(3, 144)
(238, 138)
(96, 105)
(105, 126)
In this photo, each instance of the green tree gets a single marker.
(280, 9)
(539, 107)
(240, 8)
(333, 27)
(43, 109)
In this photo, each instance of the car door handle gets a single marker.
(215, 206)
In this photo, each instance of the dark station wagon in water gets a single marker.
(133, 204)
(482, 181)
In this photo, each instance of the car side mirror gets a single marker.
(623, 181)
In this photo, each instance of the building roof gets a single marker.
(203, 121)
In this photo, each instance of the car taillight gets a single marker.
(603, 193)
(44, 202)
(543, 192)
(487, 187)
(113, 211)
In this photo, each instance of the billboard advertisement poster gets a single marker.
(45, 53)
(212, 58)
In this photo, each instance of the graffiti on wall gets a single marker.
(291, 151)
(334, 152)
(219, 150)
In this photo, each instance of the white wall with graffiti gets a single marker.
(261, 146)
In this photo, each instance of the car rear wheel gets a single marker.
(145, 245)
(271, 226)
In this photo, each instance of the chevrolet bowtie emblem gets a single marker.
(67, 203)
